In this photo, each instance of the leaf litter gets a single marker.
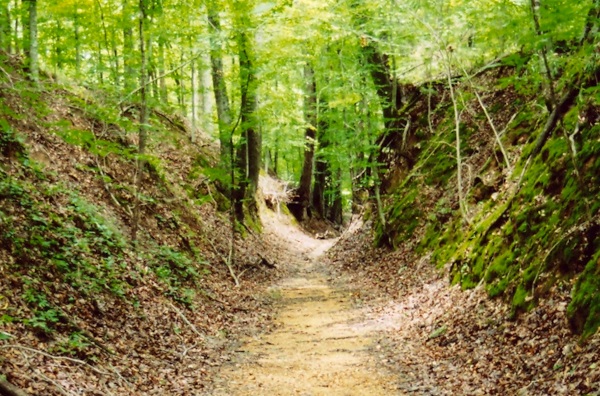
(441, 340)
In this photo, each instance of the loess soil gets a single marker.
(322, 340)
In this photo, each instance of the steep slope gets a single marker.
(528, 240)
(83, 307)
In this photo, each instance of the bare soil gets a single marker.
(322, 344)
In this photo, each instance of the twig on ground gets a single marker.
(24, 348)
(44, 377)
(194, 329)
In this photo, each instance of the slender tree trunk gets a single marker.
(538, 31)
(310, 115)
(77, 42)
(194, 99)
(143, 122)
(219, 86)
(249, 152)
(115, 58)
(164, 95)
(151, 63)
(207, 101)
(16, 30)
(459, 180)
(276, 155)
(33, 41)
(182, 90)
(336, 212)
(5, 36)
(107, 44)
(321, 166)
(58, 65)
(127, 48)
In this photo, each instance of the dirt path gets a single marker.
(321, 344)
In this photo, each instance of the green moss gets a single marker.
(520, 298)
(253, 223)
(584, 309)
(501, 266)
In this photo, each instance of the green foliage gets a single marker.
(177, 271)
(76, 345)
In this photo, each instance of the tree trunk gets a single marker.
(389, 95)
(77, 42)
(336, 208)
(276, 155)
(182, 89)
(249, 151)
(164, 95)
(207, 101)
(33, 41)
(395, 107)
(194, 100)
(310, 114)
(127, 48)
(107, 46)
(5, 36)
(16, 30)
(322, 174)
(143, 122)
(219, 87)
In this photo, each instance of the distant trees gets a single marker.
(246, 62)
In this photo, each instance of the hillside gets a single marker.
(522, 315)
(83, 305)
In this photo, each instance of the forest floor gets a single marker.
(322, 340)
(342, 328)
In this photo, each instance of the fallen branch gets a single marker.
(8, 389)
(61, 389)
(24, 348)
(194, 329)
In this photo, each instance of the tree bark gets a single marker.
(5, 28)
(33, 41)
(16, 30)
(207, 101)
(143, 122)
(249, 152)
(395, 107)
(310, 115)
(194, 100)
(390, 96)
(322, 174)
(336, 208)
(219, 86)
(127, 47)
(77, 42)
(164, 95)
